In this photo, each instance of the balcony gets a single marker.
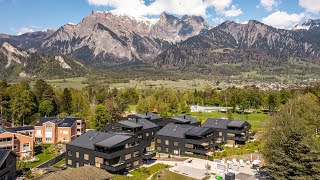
(243, 138)
(148, 155)
(5, 143)
(115, 167)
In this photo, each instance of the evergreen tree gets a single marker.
(101, 117)
(66, 101)
(292, 148)
(46, 108)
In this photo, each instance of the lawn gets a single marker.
(42, 154)
(258, 120)
(68, 82)
(142, 173)
(61, 162)
(168, 175)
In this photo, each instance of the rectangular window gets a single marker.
(77, 164)
(136, 163)
(49, 139)
(70, 162)
(176, 152)
(139, 136)
(26, 147)
(65, 132)
(190, 146)
(158, 141)
(65, 139)
(39, 132)
(167, 150)
(158, 148)
(220, 134)
(135, 154)
(98, 160)
(167, 142)
(69, 153)
(152, 133)
(176, 143)
(127, 156)
(77, 154)
(147, 134)
(85, 156)
(48, 127)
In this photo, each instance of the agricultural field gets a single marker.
(178, 85)
(257, 119)
(76, 83)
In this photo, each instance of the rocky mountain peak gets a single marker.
(197, 19)
(310, 24)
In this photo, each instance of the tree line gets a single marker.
(24, 103)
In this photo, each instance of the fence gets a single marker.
(52, 161)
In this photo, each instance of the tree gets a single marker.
(46, 108)
(39, 87)
(23, 105)
(66, 101)
(101, 117)
(273, 100)
(292, 147)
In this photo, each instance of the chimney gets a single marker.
(137, 120)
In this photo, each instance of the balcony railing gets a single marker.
(115, 167)
(4, 143)
(148, 155)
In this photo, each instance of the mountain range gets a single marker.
(105, 39)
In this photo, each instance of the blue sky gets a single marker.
(19, 16)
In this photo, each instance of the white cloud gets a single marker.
(269, 5)
(179, 7)
(234, 11)
(217, 20)
(283, 20)
(24, 30)
(310, 5)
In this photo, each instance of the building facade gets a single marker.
(179, 139)
(231, 132)
(8, 164)
(21, 144)
(144, 129)
(113, 151)
(51, 130)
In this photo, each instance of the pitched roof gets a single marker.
(182, 120)
(236, 123)
(216, 123)
(91, 138)
(130, 124)
(153, 116)
(143, 116)
(113, 140)
(67, 122)
(192, 119)
(63, 122)
(20, 128)
(44, 120)
(144, 123)
(175, 130)
(198, 131)
(4, 153)
(82, 173)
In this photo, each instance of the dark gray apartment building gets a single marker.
(113, 151)
(179, 139)
(230, 132)
(8, 164)
(143, 128)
